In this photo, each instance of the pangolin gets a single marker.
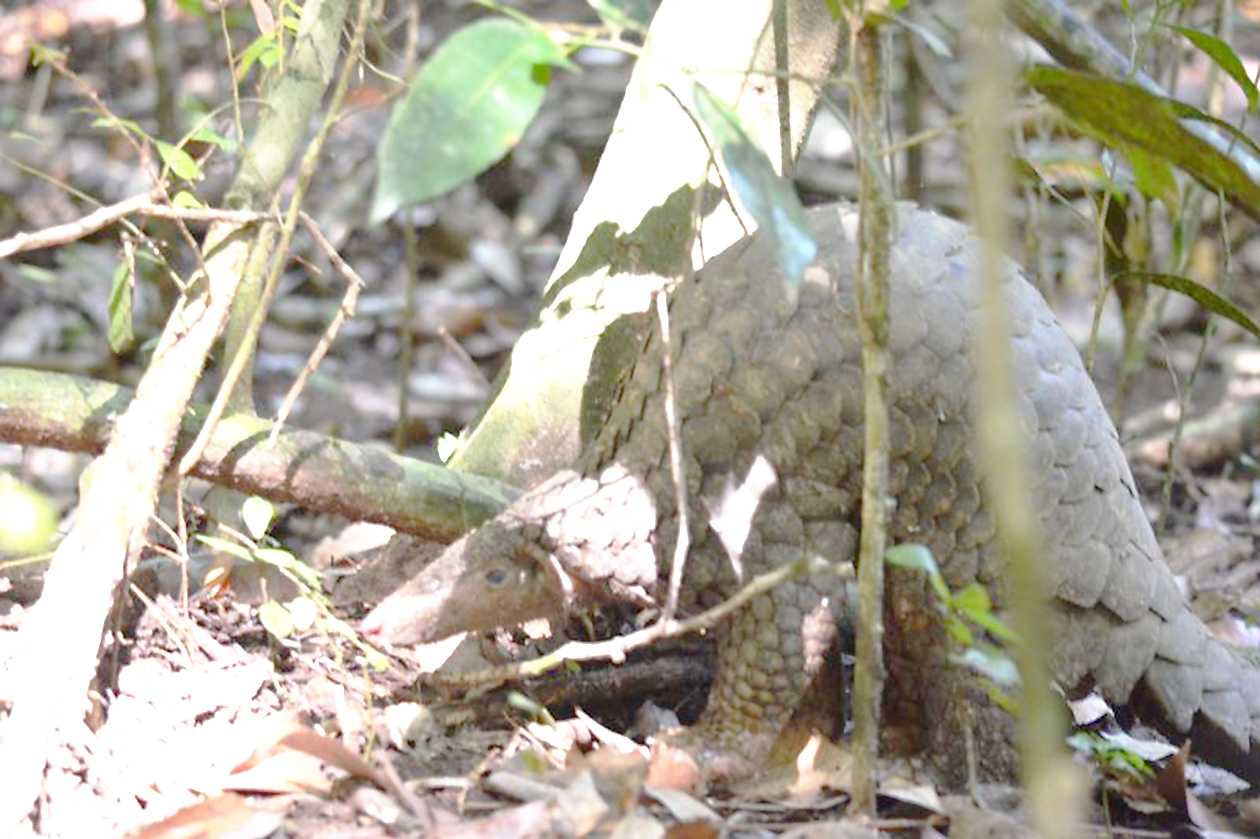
(768, 391)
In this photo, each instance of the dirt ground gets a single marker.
(224, 714)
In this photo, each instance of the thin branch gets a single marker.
(615, 649)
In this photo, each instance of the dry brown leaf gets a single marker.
(227, 814)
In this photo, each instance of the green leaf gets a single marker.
(187, 200)
(304, 612)
(28, 519)
(1068, 172)
(227, 547)
(769, 198)
(959, 632)
(265, 50)
(467, 107)
(112, 122)
(257, 514)
(121, 336)
(919, 558)
(1225, 58)
(913, 556)
(972, 600)
(276, 619)
(179, 161)
(286, 561)
(527, 705)
(619, 15)
(1155, 179)
(1125, 115)
(993, 625)
(1200, 294)
(990, 663)
(43, 54)
(214, 138)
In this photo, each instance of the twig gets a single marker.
(145, 204)
(871, 290)
(683, 544)
(615, 649)
(354, 285)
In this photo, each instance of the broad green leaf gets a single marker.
(467, 107)
(1200, 294)
(769, 198)
(1155, 179)
(1225, 58)
(121, 335)
(257, 514)
(1125, 115)
(28, 519)
(276, 619)
(180, 161)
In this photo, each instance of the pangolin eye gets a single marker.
(496, 577)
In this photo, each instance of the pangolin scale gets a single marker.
(769, 398)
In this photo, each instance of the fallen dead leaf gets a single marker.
(228, 814)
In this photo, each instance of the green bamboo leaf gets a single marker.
(467, 107)
(1125, 115)
(1200, 294)
(1225, 58)
(769, 198)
